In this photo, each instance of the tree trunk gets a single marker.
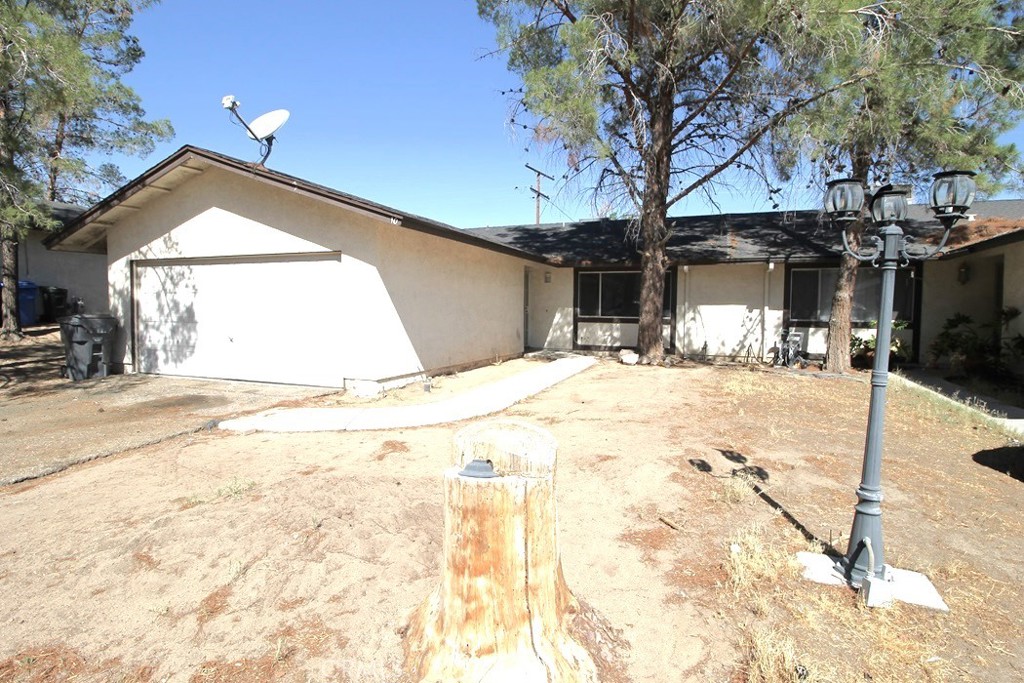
(53, 175)
(650, 338)
(653, 231)
(11, 324)
(837, 350)
(503, 611)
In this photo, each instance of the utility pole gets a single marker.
(536, 191)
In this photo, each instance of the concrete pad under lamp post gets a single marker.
(864, 566)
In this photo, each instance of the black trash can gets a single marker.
(55, 303)
(81, 334)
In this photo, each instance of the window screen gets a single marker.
(811, 291)
(614, 294)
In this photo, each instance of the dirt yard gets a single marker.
(48, 423)
(683, 494)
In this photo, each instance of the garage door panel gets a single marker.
(261, 321)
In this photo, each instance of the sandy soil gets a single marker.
(298, 557)
(48, 422)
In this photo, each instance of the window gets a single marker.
(614, 294)
(811, 290)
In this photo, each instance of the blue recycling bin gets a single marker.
(27, 293)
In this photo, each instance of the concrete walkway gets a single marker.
(474, 403)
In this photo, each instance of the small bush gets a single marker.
(968, 347)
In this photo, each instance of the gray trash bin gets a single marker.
(81, 334)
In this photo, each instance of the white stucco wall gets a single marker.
(944, 296)
(733, 309)
(551, 307)
(83, 275)
(410, 302)
(614, 334)
(1013, 292)
(1013, 285)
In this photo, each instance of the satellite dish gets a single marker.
(262, 128)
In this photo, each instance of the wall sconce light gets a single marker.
(963, 274)
(547, 277)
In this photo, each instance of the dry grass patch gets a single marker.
(61, 663)
(737, 488)
(756, 381)
(799, 631)
(771, 658)
(930, 408)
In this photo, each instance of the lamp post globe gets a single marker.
(952, 194)
(888, 205)
(844, 199)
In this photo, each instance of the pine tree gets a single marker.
(653, 100)
(62, 105)
(946, 83)
(32, 64)
(99, 115)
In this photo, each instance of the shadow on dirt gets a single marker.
(32, 366)
(1008, 460)
(757, 477)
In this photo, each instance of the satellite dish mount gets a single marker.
(262, 128)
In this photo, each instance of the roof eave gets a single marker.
(181, 158)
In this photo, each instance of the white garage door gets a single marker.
(247, 318)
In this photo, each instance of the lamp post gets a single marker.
(951, 196)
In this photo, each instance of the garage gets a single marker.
(256, 318)
(220, 269)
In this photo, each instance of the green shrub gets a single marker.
(970, 348)
(863, 348)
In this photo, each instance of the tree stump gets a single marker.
(503, 609)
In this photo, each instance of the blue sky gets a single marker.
(394, 101)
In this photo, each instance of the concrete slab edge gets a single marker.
(60, 467)
(903, 585)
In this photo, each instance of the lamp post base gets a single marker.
(856, 576)
(899, 584)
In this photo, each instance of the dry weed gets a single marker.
(737, 488)
(756, 563)
(955, 411)
(748, 383)
(896, 644)
(840, 639)
(772, 658)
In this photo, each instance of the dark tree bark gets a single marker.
(11, 325)
(653, 231)
(837, 351)
(53, 175)
(650, 341)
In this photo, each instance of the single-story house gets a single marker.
(981, 275)
(219, 268)
(736, 281)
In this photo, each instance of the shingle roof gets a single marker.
(65, 213)
(720, 238)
